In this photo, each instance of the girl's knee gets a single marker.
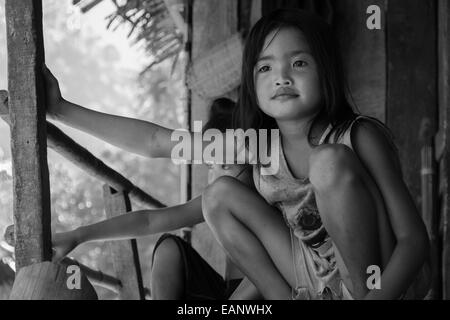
(166, 277)
(167, 253)
(332, 166)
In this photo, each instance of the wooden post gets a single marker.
(28, 131)
(213, 22)
(443, 143)
(124, 253)
(186, 169)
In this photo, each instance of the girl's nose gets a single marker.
(284, 82)
(283, 78)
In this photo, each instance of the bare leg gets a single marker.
(253, 234)
(245, 291)
(167, 273)
(352, 213)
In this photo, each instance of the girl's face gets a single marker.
(286, 77)
(235, 170)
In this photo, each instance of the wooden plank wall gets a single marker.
(392, 72)
(28, 131)
(213, 21)
(364, 54)
(412, 75)
(412, 90)
(444, 130)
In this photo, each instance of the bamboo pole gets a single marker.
(429, 201)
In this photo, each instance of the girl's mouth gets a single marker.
(285, 93)
(283, 97)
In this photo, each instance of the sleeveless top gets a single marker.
(313, 250)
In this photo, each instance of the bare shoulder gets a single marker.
(374, 145)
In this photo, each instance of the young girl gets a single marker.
(337, 207)
(178, 271)
(339, 185)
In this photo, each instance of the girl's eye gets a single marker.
(263, 69)
(300, 63)
(225, 167)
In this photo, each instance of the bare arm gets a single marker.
(141, 137)
(133, 135)
(144, 222)
(131, 225)
(412, 241)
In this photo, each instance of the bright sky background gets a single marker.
(132, 57)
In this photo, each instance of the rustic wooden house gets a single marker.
(398, 73)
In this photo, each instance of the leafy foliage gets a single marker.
(149, 22)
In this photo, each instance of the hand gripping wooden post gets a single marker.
(124, 252)
(28, 132)
(36, 276)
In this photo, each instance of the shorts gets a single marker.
(201, 281)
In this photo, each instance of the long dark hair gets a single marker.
(220, 115)
(336, 109)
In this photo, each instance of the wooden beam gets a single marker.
(124, 252)
(444, 124)
(244, 16)
(90, 5)
(72, 151)
(28, 132)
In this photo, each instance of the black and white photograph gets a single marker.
(201, 151)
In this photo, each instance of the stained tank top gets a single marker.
(294, 197)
